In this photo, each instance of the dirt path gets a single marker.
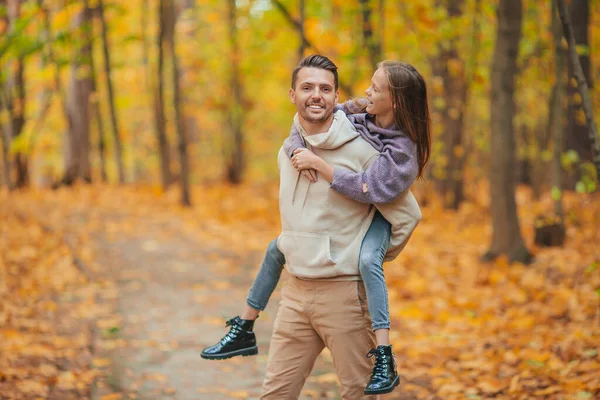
(174, 295)
(170, 291)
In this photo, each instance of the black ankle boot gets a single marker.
(384, 377)
(239, 341)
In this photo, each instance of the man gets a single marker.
(323, 303)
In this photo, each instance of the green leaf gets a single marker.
(583, 50)
(546, 155)
(535, 363)
(569, 158)
(556, 193)
(132, 38)
(580, 187)
(20, 144)
(439, 103)
(590, 353)
(597, 292)
(593, 267)
(591, 187)
(584, 395)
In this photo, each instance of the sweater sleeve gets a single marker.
(391, 173)
(293, 142)
(404, 215)
(354, 106)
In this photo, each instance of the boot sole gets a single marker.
(249, 351)
(388, 389)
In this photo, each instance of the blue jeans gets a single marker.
(372, 252)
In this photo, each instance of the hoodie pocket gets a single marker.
(307, 254)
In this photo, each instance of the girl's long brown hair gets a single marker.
(411, 110)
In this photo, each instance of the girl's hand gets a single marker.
(305, 159)
(310, 174)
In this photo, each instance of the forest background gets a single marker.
(175, 109)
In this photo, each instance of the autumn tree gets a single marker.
(371, 42)
(298, 25)
(192, 130)
(550, 230)
(556, 110)
(582, 86)
(77, 149)
(577, 137)
(48, 40)
(118, 147)
(235, 146)
(451, 69)
(15, 100)
(4, 133)
(184, 173)
(506, 234)
(159, 111)
(301, 17)
(97, 111)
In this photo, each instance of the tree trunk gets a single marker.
(192, 132)
(5, 130)
(77, 159)
(16, 100)
(381, 29)
(98, 117)
(235, 163)
(49, 55)
(451, 68)
(577, 137)
(557, 125)
(159, 113)
(138, 137)
(506, 235)
(111, 96)
(5, 150)
(179, 117)
(579, 74)
(370, 40)
(302, 14)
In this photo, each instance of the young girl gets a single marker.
(397, 124)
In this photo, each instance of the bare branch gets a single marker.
(582, 83)
(296, 24)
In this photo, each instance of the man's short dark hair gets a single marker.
(316, 61)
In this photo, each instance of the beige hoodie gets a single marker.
(322, 231)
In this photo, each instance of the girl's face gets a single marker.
(379, 98)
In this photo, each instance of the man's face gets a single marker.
(314, 94)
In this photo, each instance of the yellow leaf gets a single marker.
(101, 362)
(112, 396)
(491, 386)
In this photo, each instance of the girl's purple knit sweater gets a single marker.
(394, 170)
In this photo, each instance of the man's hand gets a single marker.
(310, 174)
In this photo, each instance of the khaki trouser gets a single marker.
(313, 315)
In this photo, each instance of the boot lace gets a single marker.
(233, 332)
(381, 362)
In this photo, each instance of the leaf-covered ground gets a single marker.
(111, 292)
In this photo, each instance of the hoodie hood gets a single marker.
(340, 132)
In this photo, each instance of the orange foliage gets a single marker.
(461, 329)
